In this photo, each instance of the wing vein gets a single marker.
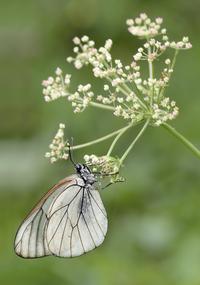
(63, 235)
(97, 204)
(37, 233)
(58, 226)
(82, 201)
(88, 229)
(66, 188)
(80, 238)
(64, 205)
(95, 216)
(30, 237)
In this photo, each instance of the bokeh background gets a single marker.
(154, 218)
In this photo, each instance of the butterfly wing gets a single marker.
(70, 220)
(78, 226)
(30, 241)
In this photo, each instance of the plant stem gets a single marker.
(133, 142)
(186, 142)
(150, 66)
(102, 106)
(151, 76)
(174, 58)
(172, 67)
(98, 140)
(118, 137)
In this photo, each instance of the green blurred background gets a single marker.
(154, 218)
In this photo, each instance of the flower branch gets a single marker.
(133, 142)
(182, 139)
(118, 132)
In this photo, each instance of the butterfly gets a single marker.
(68, 221)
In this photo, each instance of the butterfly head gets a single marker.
(85, 173)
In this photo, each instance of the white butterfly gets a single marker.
(68, 221)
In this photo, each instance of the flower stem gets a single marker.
(99, 140)
(102, 106)
(151, 75)
(174, 58)
(186, 142)
(118, 137)
(150, 69)
(172, 67)
(133, 142)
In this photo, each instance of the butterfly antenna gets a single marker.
(70, 155)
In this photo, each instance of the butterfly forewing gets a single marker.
(68, 221)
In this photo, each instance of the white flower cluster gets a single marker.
(58, 148)
(143, 27)
(183, 44)
(81, 98)
(150, 51)
(124, 101)
(86, 53)
(106, 165)
(56, 87)
(127, 92)
(163, 112)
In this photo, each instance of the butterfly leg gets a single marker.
(113, 182)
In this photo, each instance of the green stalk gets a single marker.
(151, 75)
(117, 138)
(150, 65)
(172, 67)
(181, 138)
(134, 142)
(99, 140)
(174, 58)
(102, 106)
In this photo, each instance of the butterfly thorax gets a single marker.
(86, 174)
